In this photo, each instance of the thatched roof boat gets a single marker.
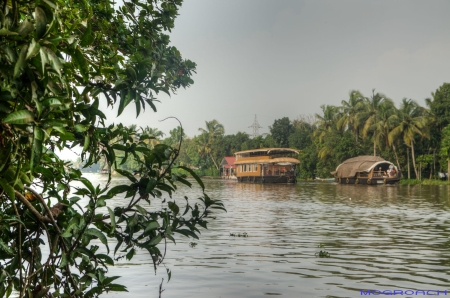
(367, 169)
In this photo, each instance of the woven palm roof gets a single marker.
(363, 163)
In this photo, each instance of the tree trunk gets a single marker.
(374, 146)
(213, 161)
(396, 156)
(413, 159)
(407, 152)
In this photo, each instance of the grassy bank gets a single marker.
(423, 182)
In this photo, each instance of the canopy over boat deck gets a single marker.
(367, 169)
(267, 165)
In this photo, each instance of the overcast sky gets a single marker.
(286, 58)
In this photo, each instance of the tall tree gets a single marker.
(326, 123)
(213, 130)
(155, 136)
(350, 112)
(440, 105)
(175, 136)
(370, 115)
(411, 123)
(281, 130)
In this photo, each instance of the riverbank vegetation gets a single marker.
(56, 59)
(415, 138)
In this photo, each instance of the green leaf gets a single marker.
(6, 32)
(87, 141)
(130, 254)
(118, 189)
(64, 260)
(80, 128)
(33, 49)
(187, 233)
(85, 251)
(153, 225)
(199, 181)
(155, 240)
(41, 22)
(19, 117)
(73, 224)
(99, 235)
(37, 147)
(44, 171)
(51, 102)
(54, 60)
(108, 260)
(44, 59)
(131, 73)
(126, 174)
(133, 220)
(5, 247)
(174, 207)
(112, 217)
(25, 28)
(20, 64)
(117, 288)
(87, 39)
(89, 185)
(83, 66)
(141, 210)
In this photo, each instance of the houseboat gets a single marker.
(368, 170)
(270, 165)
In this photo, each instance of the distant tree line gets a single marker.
(361, 125)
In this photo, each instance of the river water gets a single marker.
(378, 238)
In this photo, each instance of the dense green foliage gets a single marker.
(58, 59)
(362, 125)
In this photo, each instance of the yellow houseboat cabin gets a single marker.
(269, 165)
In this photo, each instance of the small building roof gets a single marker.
(228, 161)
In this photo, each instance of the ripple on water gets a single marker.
(383, 238)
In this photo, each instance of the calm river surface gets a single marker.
(379, 238)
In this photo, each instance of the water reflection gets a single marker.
(379, 237)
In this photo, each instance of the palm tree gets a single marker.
(213, 130)
(204, 147)
(411, 122)
(327, 122)
(155, 133)
(383, 126)
(350, 111)
(371, 113)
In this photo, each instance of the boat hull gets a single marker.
(267, 179)
(367, 181)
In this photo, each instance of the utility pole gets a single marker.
(256, 127)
